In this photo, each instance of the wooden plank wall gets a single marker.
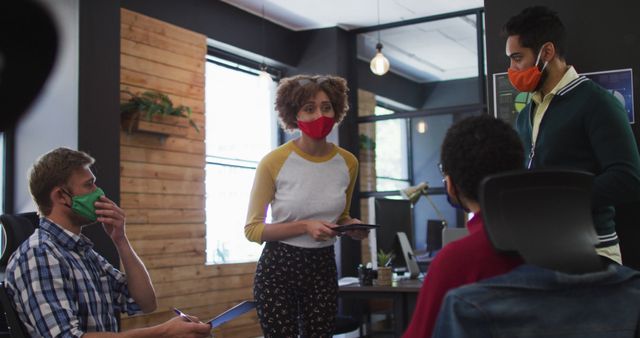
(162, 182)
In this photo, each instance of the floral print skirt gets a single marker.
(296, 290)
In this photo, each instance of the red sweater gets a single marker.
(462, 262)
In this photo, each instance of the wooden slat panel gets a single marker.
(161, 84)
(201, 271)
(166, 72)
(161, 261)
(206, 298)
(169, 143)
(169, 172)
(161, 27)
(161, 157)
(197, 106)
(184, 287)
(157, 186)
(144, 216)
(138, 34)
(160, 201)
(249, 331)
(163, 231)
(169, 246)
(161, 56)
(197, 135)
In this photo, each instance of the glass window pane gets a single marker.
(228, 191)
(391, 153)
(384, 162)
(241, 129)
(240, 118)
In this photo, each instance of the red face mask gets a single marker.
(318, 128)
(527, 80)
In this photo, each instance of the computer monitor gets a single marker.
(394, 216)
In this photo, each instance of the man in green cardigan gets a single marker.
(571, 122)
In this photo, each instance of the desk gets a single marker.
(403, 293)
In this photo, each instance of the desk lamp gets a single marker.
(414, 193)
(434, 227)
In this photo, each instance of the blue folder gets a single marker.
(232, 313)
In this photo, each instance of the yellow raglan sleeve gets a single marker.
(352, 164)
(263, 192)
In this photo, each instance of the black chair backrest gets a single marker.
(17, 228)
(14, 324)
(543, 215)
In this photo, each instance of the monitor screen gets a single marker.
(394, 216)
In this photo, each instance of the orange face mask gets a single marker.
(527, 80)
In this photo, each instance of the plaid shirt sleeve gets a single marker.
(44, 295)
(123, 302)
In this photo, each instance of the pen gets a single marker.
(182, 314)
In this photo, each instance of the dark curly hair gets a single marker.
(476, 147)
(536, 26)
(293, 92)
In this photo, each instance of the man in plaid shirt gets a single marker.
(59, 285)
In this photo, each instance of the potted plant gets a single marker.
(384, 267)
(153, 111)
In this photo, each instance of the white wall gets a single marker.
(52, 120)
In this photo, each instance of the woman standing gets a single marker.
(308, 182)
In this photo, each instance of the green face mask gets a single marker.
(83, 205)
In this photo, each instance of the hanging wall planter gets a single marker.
(153, 112)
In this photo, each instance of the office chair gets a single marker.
(17, 228)
(544, 215)
(565, 289)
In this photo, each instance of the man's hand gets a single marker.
(112, 218)
(319, 230)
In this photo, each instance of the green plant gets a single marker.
(150, 103)
(385, 258)
(367, 143)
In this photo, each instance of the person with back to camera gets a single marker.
(308, 182)
(571, 122)
(473, 149)
(59, 285)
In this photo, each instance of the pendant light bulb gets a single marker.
(379, 64)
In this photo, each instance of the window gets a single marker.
(241, 128)
(392, 164)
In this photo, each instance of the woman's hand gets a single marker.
(356, 234)
(320, 230)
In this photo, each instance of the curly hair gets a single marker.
(536, 26)
(293, 92)
(54, 169)
(476, 147)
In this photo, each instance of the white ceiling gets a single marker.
(432, 51)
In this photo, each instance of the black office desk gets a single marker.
(403, 293)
